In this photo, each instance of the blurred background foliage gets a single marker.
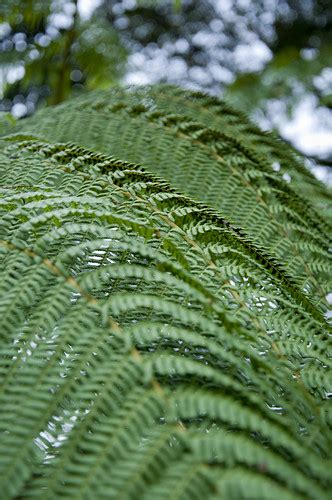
(272, 57)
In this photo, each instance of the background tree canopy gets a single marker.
(269, 56)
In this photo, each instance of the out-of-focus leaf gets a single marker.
(326, 100)
(288, 76)
(98, 53)
(29, 11)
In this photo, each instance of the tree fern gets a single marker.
(163, 305)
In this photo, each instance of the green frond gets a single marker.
(163, 309)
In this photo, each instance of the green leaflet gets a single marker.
(162, 321)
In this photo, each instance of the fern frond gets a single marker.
(228, 166)
(162, 321)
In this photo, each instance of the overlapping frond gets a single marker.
(162, 321)
(212, 153)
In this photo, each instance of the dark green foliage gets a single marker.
(163, 330)
(60, 57)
